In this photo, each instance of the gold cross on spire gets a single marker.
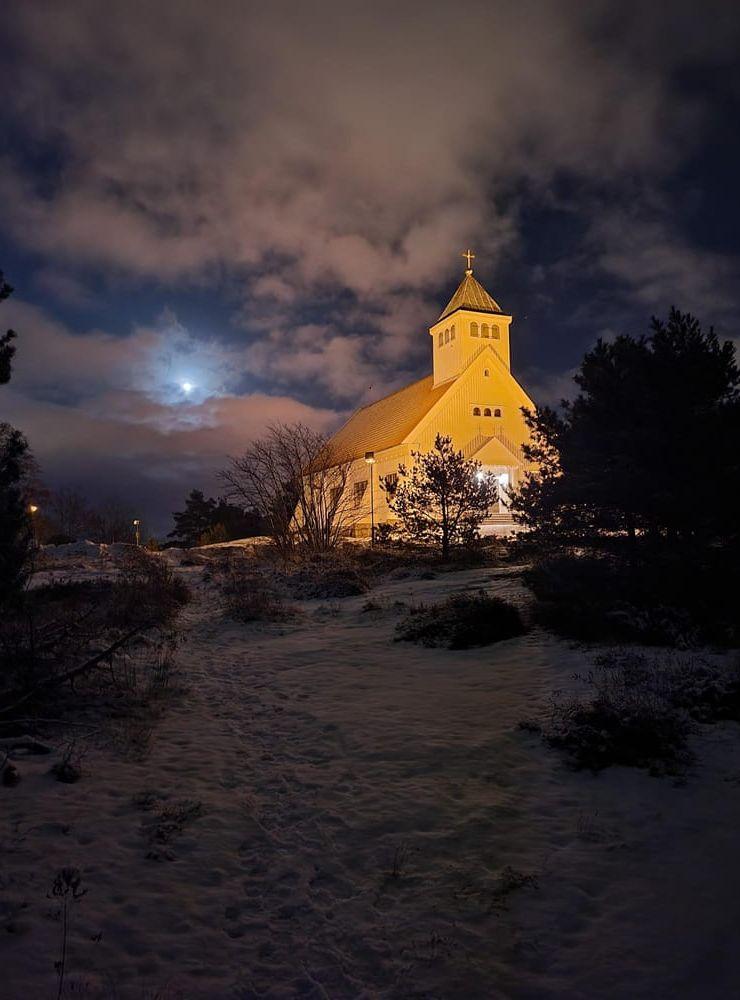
(470, 257)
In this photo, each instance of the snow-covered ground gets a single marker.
(372, 824)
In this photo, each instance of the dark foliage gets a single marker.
(640, 712)
(641, 470)
(649, 450)
(461, 622)
(58, 629)
(205, 520)
(666, 599)
(7, 347)
(15, 528)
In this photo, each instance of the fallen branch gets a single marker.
(69, 675)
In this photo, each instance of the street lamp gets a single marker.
(32, 510)
(137, 525)
(370, 459)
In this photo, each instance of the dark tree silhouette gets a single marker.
(15, 533)
(648, 449)
(194, 520)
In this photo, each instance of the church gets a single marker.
(471, 396)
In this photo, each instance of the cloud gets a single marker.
(321, 165)
(346, 145)
(104, 412)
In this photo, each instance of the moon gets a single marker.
(187, 387)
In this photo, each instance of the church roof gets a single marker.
(388, 421)
(471, 294)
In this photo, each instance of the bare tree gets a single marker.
(297, 483)
(70, 512)
(111, 522)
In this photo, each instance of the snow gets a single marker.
(323, 754)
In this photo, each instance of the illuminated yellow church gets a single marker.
(471, 396)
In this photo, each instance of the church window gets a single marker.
(441, 338)
(391, 482)
(447, 336)
(487, 412)
(476, 411)
(473, 329)
(486, 373)
(495, 333)
(452, 333)
(497, 412)
(359, 492)
(484, 330)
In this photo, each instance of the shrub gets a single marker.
(462, 621)
(213, 535)
(641, 711)
(248, 595)
(326, 582)
(661, 602)
(146, 588)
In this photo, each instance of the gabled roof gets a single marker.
(388, 421)
(471, 294)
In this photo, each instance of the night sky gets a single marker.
(268, 201)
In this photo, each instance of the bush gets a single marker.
(326, 582)
(461, 622)
(213, 535)
(248, 595)
(641, 711)
(147, 589)
(59, 539)
(666, 601)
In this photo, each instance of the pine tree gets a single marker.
(15, 529)
(648, 450)
(443, 498)
(195, 520)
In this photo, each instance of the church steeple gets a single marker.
(470, 293)
(471, 318)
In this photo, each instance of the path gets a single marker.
(373, 825)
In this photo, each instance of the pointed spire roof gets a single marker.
(471, 294)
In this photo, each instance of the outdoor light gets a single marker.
(137, 524)
(33, 509)
(370, 459)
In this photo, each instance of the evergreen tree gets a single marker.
(195, 520)
(648, 449)
(7, 347)
(443, 498)
(15, 529)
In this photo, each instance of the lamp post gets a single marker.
(33, 510)
(370, 459)
(137, 525)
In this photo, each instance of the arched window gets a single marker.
(487, 412)
(486, 373)
(484, 330)
(441, 338)
(473, 329)
(447, 336)
(497, 412)
(476, 411)
(495, 333)
(452, 333)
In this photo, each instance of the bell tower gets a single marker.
(471, 320)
